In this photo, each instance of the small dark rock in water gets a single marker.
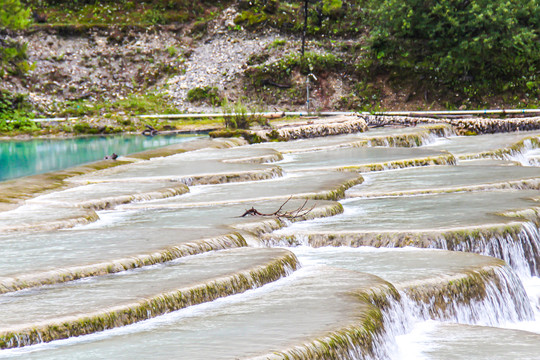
(111, 157)
(149, 131)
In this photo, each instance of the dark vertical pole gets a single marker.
(305, 27)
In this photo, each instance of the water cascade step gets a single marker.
(205, 166)
(107, 195)
(365, 159)
(316, 312)
(474, 175)
(399, 137)
(466, 147)
(84, 307)
(14, 192)
(130, 239)
(443, 285)
(268, 320)
(456, 221)
(39, 217)
(345, 302)
(327, 185)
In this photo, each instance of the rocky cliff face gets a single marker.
(107, 63)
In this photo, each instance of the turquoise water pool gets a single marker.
(20, 158)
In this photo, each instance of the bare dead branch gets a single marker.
(292, 214)
(282, 205)
(301, 208)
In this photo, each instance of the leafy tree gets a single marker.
(484, 41)
(14, 16)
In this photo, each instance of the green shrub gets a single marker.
(257, 58)
(282, 69)
(249, 136)
(154, 17)
(278, 43)
(15, 113)
(133, 104)
(84, 128)
(13, 15)
(363, 97)
(206, 94)
(10, 102)
(239, 117)
(325, 17)
(317, 63)
(456, 41)
(17, 121)
(250, 18)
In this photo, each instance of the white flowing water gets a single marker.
(463, 145)
(467, 175)
(87, 296)
(433, 340)
(361, 156)
(259, 321)
(429, 301)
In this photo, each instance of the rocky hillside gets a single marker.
(214, 54)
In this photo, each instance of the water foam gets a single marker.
(505, 304)
(521, 253)
(525, 156)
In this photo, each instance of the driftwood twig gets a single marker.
(293, 214)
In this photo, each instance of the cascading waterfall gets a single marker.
(521, 154)
(520, 250)
(429, 136)
(505, 301)
(458, 292)
(398, 319)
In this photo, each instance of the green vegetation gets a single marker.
(452, 54)
(475, 46)
(207, 94)
(283, 69)
(14, 111)
(363, 96)
(325, 17)
(238, 120)
(278, 43)
(17, 123)
(284, 79)
(133, 104)
(311, 63)
(242, 117)
(85, 128)
(14, 16)
(126, 12)
(381, 54)
(14, 114)
(249, 136)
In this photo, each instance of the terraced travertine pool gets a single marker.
(395, 243)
